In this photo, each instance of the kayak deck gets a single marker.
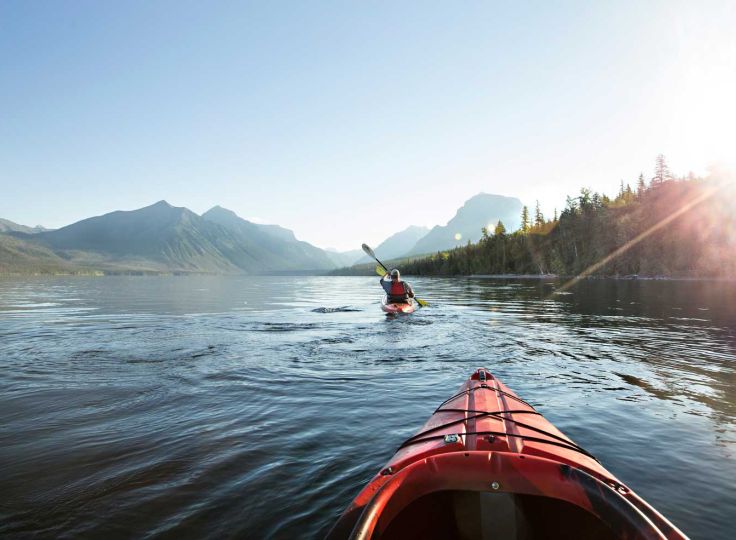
(488, 465)
(396, 308)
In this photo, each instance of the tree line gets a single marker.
(665, 226)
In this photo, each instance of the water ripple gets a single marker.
(210, 407)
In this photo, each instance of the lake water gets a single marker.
(258, 407)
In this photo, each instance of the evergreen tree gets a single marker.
(499, 234)
(554, 219)
(641, 185)
(661, 171)
(524, 219)
(596, 200)
(538, 216)
(584, 199)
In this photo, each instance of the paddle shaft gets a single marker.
(382, 265)
(371, 253)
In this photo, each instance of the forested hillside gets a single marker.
(676, 227)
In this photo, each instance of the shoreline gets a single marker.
(591, 278)
(537, 277)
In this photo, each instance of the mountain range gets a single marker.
(480, 211)
(8, 226)
(397, 245)
(343, 259)
(162, 238)
(277, 247)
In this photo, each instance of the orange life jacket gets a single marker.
(398, 292)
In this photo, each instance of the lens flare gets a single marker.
(719, 187)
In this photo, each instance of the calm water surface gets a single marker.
(258, 407)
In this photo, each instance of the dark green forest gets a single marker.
(667, 226)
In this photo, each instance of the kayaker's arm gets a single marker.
(409, 290)
(386, 284)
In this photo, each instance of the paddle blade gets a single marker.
(380, 270)
(369, 251)
(421, 302)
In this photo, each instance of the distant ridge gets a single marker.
(19, 256)
(8, 226)
(479, 211)
(397, 244)
(159, 237)
(276, 247)
(343, 259)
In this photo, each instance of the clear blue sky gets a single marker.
(319, 115)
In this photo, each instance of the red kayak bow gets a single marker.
(488, 465)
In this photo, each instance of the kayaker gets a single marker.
(398, 291)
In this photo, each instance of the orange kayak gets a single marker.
(391, 308)
(488, 465)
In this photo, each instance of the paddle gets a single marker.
(370, 253)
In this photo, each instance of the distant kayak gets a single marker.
(487, 465)
(398, 308)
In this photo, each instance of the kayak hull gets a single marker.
(398, 309)
(487, 464)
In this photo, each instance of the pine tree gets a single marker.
(554, 219)
(661, 171)
(538, 216)
(524, 219)
(584, 199)
(641, 185)
(596, 200)
(500, 230)
(499, 234)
